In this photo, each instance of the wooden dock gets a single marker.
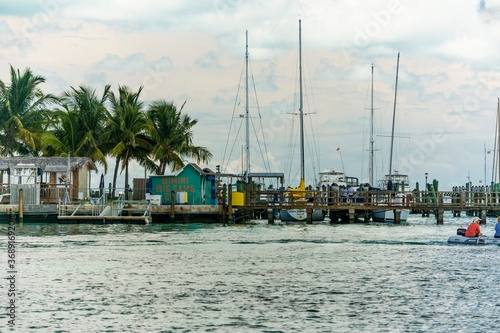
(480, 204)
(474, 203)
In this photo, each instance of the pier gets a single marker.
(257, 204)
(473, 203)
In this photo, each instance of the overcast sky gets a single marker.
(194, 51)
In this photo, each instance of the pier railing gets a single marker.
(415, 200)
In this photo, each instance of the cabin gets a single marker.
(192, 186)
(45, 179)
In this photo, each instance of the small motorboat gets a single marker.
(461, 239)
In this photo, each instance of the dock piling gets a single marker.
(397, 216)
(172, 205)
(352, 215)
(230, 204)
(21, 204)
(482, 216)
(309, 212)
(270, 216)
(439, 215)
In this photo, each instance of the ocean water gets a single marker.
(252, 278)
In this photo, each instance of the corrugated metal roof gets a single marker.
(48, 164)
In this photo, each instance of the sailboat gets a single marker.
(298, 195)
(387, 215)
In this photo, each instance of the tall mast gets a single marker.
(393, 120)
(498, 137)
(301, 105)
(247, 171)
(371, 137)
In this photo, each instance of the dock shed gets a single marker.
(192, 186)
(44, 179)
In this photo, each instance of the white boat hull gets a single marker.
(301, 215)
(387, 215)
(473, 240)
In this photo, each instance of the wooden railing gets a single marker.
(418, 200)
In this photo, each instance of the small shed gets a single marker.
(193, 183)
(45, 179)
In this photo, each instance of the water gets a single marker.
(253, 278)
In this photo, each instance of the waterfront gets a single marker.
(254, 277)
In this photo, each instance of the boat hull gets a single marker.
(301, 215)
(387, 215)
(473, 240)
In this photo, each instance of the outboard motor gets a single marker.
(461, 232)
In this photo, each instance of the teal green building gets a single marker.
(199, 184)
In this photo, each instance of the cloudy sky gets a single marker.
(194, 51)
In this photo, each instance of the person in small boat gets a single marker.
(473, 229)
(497, 228)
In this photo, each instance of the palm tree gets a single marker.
(85, 107)
(127, 131)
(23, 107)
(172, 133)
(66, 135)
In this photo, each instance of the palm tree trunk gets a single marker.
(117, 164)
(126, 178)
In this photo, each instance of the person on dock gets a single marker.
(473, 229)
(497, 228)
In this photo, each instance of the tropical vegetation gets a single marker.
(83, 122)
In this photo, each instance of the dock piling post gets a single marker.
(397, 216)
(483, 216)
(367, 216)
(230, 203)
(270, 216)
(439, 215)
(352, 215)
(309, 212)
(224, 202)
(172, 205)
(21, 204)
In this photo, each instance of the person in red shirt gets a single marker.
(473, 228)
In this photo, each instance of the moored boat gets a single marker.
(299, 195)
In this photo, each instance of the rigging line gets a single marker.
(258, 144)
(288, 130)
(268, 167)
(315, 151)
(232, 117)
(291, 149)
(234, 142)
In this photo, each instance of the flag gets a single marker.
(489, 151)
(480, 181)
(338, 149)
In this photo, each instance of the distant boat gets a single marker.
(387, 215)
(299, 195)
(330, 177)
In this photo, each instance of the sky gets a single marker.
(194, 51)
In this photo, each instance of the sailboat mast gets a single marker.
(393, 120)
(301, 105)
(371, 136)
(247, 116)
(498, 137)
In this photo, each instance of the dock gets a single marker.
(265, 202)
